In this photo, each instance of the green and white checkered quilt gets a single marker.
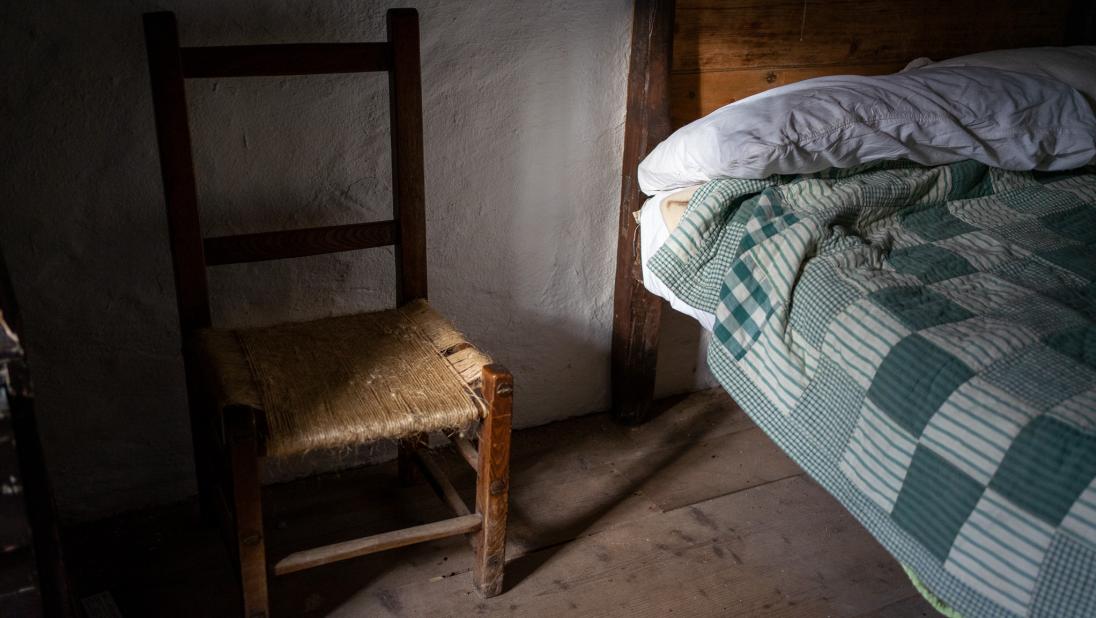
(922, 341)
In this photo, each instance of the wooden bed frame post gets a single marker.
(636, 312)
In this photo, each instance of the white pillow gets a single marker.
(930, 116)
(1075, 66)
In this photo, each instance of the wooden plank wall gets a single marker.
(725, 50)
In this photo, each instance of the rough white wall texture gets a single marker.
(524, 111)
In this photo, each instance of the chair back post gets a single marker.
(405, 96)
(177, 169)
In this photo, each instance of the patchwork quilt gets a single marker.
(922, 341)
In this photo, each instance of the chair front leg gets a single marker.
(493, 482)
(243, 442)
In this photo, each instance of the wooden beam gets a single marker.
(297, 59)
(636, 312)
(440, 483)
(298, 243)
(467, 450)
(327, 554)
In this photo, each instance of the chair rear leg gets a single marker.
(493, 482)
(205, 447)
(241, 429)
(405, 457)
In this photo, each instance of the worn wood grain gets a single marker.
(913, 606)
(768, 551)
(716, 467)
(647, 122)
(493, 480)
(726, 50)
(573, 483)
(740, 34)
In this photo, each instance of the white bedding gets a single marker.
(652, 233)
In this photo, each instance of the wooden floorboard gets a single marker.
(695, 511)
(781, 549)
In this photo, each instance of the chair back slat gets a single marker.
(272, 60)
(170, 65)
(298, 243)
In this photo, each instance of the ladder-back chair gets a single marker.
(335, 382)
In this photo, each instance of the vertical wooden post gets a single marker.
(405, 94)
(181, 198)
(244, 446)
(493, 482)
(636, 312)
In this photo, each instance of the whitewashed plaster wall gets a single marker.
(524, 111)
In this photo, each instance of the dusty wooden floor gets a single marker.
(696, 513)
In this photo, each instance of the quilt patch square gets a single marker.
(1038, 375)
(1035, 274)
(1079, 184)
(914, 380)
(919, 307)
(935, 223)
(878, 455)
(1078, 410)
(975, 427)
(1080, 521)
(1067, 584)
(1078, 223)
(1037, 200)
(980, 341)
(1078, 259)
(929, 263)
(999, 551)
(1048, 466)
(935, 501)
(986, 212)
(861, 337)
(1031, 234)
(745, 306)
(1076, 343)
(983, 251)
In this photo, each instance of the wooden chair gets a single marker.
(281, 390)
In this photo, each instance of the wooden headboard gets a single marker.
(693, 56)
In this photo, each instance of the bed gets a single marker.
(858, 379)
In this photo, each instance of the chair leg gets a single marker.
(493, 482)
(205, 448)
(405, 457)
(243, 446)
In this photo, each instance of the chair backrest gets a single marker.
(171, 65)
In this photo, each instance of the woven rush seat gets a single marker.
(348, 380)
